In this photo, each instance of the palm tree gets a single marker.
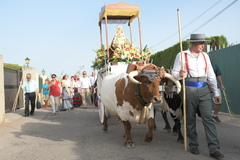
(217, 42)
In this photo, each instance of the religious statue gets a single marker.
(119, 38)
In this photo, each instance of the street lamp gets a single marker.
(43, 72)
(27, 61)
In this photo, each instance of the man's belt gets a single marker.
(30, 92)
(195, 84)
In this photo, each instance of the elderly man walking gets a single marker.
(197, 70)
(31, 89)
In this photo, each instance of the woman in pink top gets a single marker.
(55, 92)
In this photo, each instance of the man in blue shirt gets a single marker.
(217, 104)
(30, 88)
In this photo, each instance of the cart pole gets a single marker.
(183, 83)
(130, 26)
(106, 26)
(101, 34)
(140, 33)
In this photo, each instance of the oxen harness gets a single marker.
(139, 96)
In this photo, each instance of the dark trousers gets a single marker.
(30, 97)
(199, 98)
(92, 95)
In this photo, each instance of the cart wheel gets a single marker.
(101, 110)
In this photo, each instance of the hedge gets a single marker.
(13, 66)
(166, 57)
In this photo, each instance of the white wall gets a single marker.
(2, 96)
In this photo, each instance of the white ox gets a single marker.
(130, 97)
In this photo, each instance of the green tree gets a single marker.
(217, 42)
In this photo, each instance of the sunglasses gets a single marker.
(53, 77)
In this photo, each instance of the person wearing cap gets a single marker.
(197, 71)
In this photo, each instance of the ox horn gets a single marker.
(131, 75)
(169, 76)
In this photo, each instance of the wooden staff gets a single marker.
(17, 95)
(229, 111)
(183, 83)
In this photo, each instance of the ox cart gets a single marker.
(120, 13)
(127, 84)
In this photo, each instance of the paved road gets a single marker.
(78, 135)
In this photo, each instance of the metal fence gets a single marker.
(12, 78)
(228, 60)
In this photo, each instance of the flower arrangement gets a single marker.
(101, 58)
(123, 53)
(128, 53)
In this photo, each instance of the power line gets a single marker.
(212, 18)
(203, 23)
(204, 12)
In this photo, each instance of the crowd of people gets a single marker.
(62, 94)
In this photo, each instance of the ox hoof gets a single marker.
(105, 130)
(180, 140)
(175, 133)
(130, 145)
(168, 130)
(148, 138)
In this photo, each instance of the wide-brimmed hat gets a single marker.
(197, 38)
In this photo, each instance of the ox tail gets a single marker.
(165, 108)
(178, 113)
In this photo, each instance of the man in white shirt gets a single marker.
(85, 85)
(30, 88)
(197, 70)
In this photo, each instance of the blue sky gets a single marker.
(60, 35)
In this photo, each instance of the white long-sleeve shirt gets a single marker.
(85, 82)
(196, 68)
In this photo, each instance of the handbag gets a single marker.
(38, 105)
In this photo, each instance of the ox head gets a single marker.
(148, 79)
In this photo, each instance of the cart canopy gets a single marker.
(120, 13)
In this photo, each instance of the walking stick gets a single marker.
(225, 97)
(16, 98)
(183, 84)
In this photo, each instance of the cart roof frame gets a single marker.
(119, 13)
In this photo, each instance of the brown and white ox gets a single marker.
(129, 96)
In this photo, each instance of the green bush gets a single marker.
(13, 66)
(166, 57)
